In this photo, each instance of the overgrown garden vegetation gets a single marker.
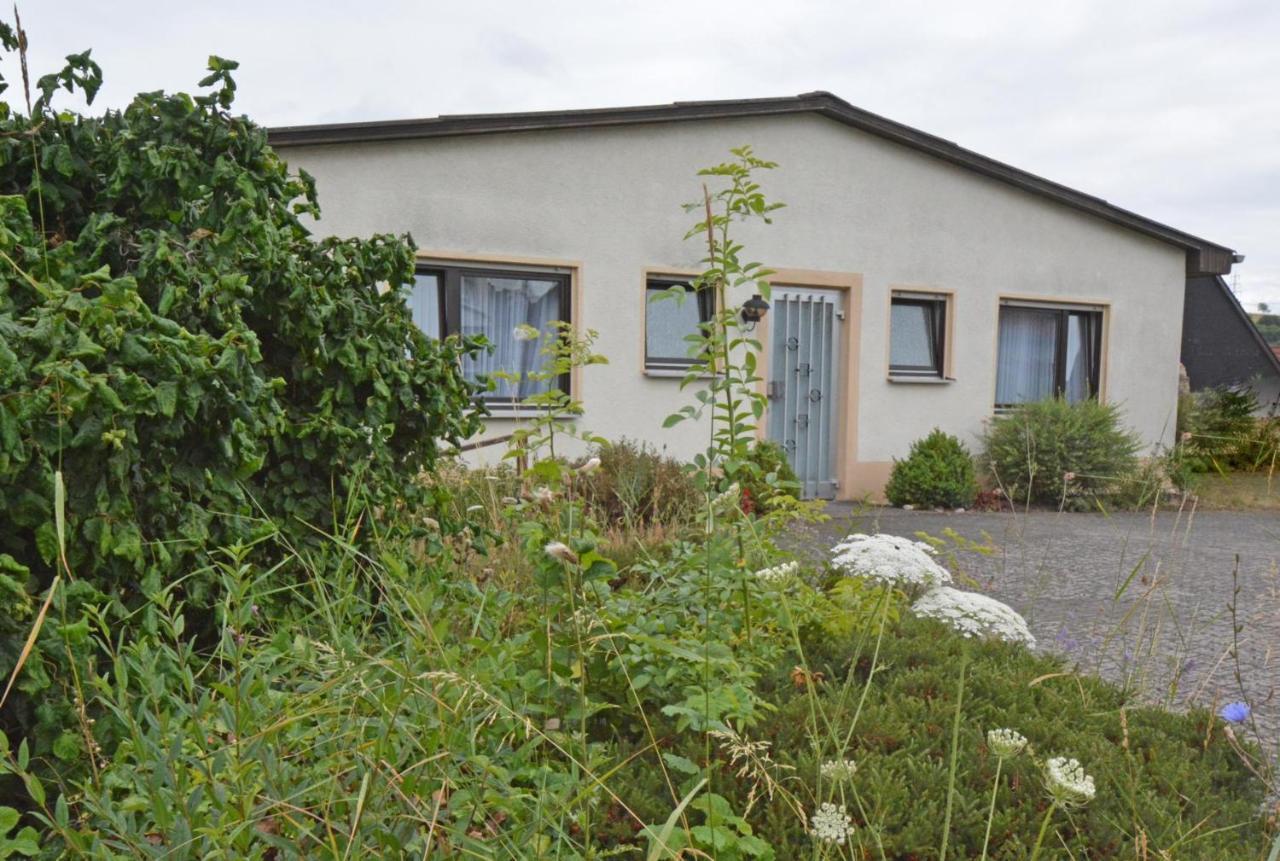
(251, 612)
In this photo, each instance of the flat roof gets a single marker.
(1203, 257)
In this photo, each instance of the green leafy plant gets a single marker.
(770, 475)
(207, 372)
(563, 350)
(1062, 454)
(938, 472)
(725, 355)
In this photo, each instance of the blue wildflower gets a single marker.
(1235, 712)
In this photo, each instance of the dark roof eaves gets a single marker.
(822, 103)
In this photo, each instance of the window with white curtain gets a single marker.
(1047, 351)
(917, 335)
(499, 305)
(674, 310)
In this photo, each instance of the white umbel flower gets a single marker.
(731, 498)
(974, 615)
(778, 574)
(525, 332)
(830, 824)
(1006, 743)
(838, 769)
(1067, 782)
(890, 560)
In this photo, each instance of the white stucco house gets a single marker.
(918, 284)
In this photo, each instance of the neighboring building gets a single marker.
(919, 284)
(1221, 346)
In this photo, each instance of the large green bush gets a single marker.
(200, 367)
(938, 472)
(1057, 453)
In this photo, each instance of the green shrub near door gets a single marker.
(937, 473)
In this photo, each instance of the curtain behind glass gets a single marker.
(424, 303)
(667, 323)
(911, 337)
(494, 307)
(1028, 341)
(1079, 359)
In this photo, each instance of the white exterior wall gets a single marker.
(610, 198)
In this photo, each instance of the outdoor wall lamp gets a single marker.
(754, 309)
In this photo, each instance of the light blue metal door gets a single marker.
(803, 379)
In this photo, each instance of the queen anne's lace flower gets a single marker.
(729, 499)
(838, 769)
(778, 573)
(830, 824)
(890, 560)
(1067, 782)
(974, 615)
(1006, 743)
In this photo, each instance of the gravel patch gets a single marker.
(1143, 600)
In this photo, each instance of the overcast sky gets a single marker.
(1168, 108)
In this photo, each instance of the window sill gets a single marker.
(926, 381)
(673, 373)
(504, 412)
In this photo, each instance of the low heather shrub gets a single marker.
(638, 484)
(937, 473)
(1063, 454)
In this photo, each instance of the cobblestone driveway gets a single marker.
(1145, 601)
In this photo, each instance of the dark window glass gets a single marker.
(1046, 352)
(670, 320)
(916, 336)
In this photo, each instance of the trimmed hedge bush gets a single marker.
(937, 473)
(1063, 454)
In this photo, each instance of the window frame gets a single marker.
(939, 306)
(1063, 311)
(705, 302)
(450, 279)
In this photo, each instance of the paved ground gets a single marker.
(1143, 600)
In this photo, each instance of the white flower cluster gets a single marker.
(1067, 782)
(778, 573)
(731, 498)
(838, 769)
(830, 824)
(974, 615)
(890, 560)
(1006, 743)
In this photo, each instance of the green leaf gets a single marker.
(66, 746)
